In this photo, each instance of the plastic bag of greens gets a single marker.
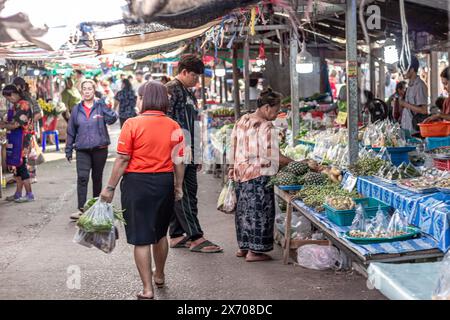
(359, 222)
(105, 241)
(442, 291)
(397, 225)
(98, 218)
(230, 201)
(221, 199)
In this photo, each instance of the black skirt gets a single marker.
(148, 200)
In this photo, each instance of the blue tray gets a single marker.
(291, 188)
(396, 149)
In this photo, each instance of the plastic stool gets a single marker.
(44, 139)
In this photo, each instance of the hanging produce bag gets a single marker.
(227, 199)
(442, 291)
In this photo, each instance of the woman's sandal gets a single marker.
(241, 253)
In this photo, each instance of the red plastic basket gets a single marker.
(436, 129)
(442, 164)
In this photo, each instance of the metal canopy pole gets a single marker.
(381, 80)
(352, 80)
(237, 102)
(247, 73)
(295, 99)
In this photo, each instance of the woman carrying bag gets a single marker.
(87, 132)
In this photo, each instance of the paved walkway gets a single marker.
(38, 256)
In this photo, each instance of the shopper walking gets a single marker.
(70, 97)
(255, 158)
(393, 102)
(125, 102)
(20, 124)
(88, 134)
(147, 150)
(185, 229)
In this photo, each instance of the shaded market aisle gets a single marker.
(37, 253)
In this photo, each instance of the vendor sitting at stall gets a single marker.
(20, 124)
(445, 111)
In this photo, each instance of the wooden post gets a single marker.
(247, 73)
(221, 89)
(381, 82)
(214, 77)
(295, 99)
(434, 76)
(237, 102)
(373, 81)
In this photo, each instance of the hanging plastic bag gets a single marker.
(359, 222)
(84, 238)
(302, 226)
(397, 225)
(381, 224)
(313, 256)
(99, 218)
(442, 291)
(229, 198)
(221, 199)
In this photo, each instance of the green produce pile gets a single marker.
(367, 166)
(118, 214)
(223, 112)
(315, 196)
(297, 173)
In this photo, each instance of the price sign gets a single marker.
(342, 118)
(352, 69)
(350, 183)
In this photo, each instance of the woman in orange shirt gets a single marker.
(150, 151)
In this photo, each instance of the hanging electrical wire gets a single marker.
(367, 40)
(405, 54)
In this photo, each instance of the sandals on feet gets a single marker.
(183, 243)
(241, 253)
(201, 247)
(258, 257)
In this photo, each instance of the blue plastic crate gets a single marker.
(437, 142)
(345, 217)
(398, 154)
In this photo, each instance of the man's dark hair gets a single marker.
(191, 63)
(140, 72)
(414, 63)
(79, 71)
(21, 84)
(446, 73)
(253, 82)
(127, 85)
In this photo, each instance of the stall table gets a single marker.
(425, 247)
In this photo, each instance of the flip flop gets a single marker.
(181, 244)
(206, 243)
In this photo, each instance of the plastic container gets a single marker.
(412, 233)
(433, 143)
(398, 154)
(441, 164)
(345, 217)
(291, 188)
(435, 129)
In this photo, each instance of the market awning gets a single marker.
(152, 40)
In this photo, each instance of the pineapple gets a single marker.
(286, 179)
(314, 178)
(298, 168)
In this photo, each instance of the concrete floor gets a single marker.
(37, 255)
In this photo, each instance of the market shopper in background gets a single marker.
(444, 114)
(88, 134)
(185, 226)
(255, 158)
(139, 80)
(79, 78)
(149, 185)
(125, 102)
(70, 97)
(20, 123)
(415, 104)
(394, 101)
(24, 90)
